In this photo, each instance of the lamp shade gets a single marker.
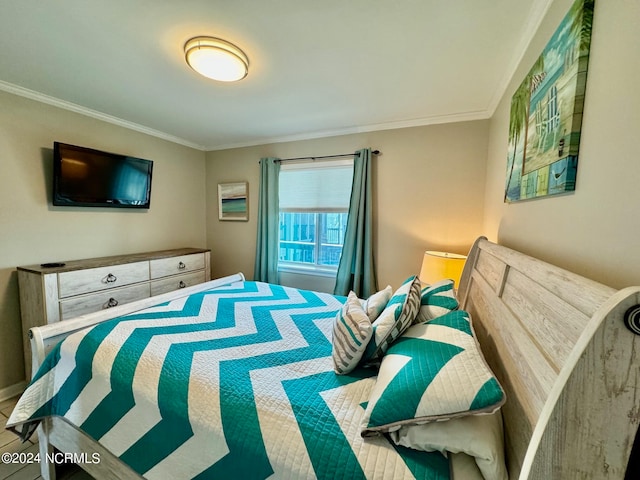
(438, 266)
(216, 59)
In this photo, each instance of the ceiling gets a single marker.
(317, 68)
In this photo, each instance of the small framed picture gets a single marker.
(233, 201)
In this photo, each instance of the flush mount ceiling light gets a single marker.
(216, 59)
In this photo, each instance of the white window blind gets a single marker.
(316, 186)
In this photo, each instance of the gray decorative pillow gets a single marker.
(436, 300)
(394, 319)
(352, 331)
(480, 436)
(434, 372)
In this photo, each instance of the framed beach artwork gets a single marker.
(546, 113)
(233, 201)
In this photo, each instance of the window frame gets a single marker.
(315, 268)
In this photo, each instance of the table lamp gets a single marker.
(438, 266)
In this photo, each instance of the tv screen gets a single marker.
(91, 178)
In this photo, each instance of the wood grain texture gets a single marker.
(176, 282)
(552, 323)
(31, 307)
(207, 265)
(515, 350)
(47, 469)
(81, 304)
(101, 278)
(492, 270)
(109, 467)
(164, 267)
(524, 393)
(590, 431)
(51, 295)
(97, 262)
(570, 368)
(584, 294)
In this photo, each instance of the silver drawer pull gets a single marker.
(182, 284)
(181, 266)
(111, 278)
(111, 303)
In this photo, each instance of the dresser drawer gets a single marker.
(177, 281)
(163, 267)
(101, 278)
(94, 302)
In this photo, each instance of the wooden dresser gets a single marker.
(54, 294)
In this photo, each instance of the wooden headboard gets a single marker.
(570, 368)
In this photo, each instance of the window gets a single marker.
(312, 238)
(314, 201)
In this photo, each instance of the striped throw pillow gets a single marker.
(435, 371)
(352, 331)
(395, 319)
(436, 300)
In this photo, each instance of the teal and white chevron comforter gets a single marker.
(234, 382)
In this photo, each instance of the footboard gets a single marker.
(44, 338)
(55, 432)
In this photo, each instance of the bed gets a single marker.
(563, 349)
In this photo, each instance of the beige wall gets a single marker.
(436, 186)
(429, 190)
(33, 231)
(595, 230)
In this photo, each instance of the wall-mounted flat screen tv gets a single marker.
(85, 177)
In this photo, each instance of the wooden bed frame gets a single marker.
(557, 342)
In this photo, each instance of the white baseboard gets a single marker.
(12, 390)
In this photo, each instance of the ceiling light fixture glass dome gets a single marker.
(216, 59)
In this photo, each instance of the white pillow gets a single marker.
(464, 467)
(480, 436)
(376, 303)
(352, 331)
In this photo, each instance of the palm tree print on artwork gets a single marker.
(546, 112)
(518, 128)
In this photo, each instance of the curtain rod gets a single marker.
(375, 152)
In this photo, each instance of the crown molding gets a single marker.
(420, 122)
(56, 102)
